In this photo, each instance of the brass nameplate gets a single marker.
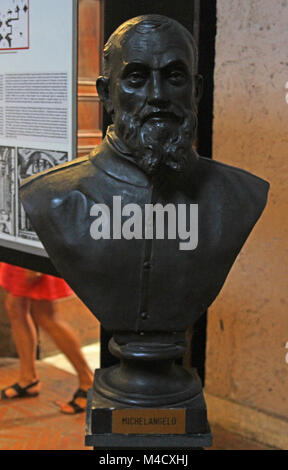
(149, 421)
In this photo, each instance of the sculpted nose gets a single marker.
(156, 95)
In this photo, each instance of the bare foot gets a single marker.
(76, 405)
(69, 410)
(11, 392)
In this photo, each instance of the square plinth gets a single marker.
(111, 426)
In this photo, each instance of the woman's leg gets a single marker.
(46, 316)
(25, 338)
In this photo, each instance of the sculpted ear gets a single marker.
(102, 85)
(198, 88)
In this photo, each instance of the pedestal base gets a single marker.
(111, 425)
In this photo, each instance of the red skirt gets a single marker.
(46, 287)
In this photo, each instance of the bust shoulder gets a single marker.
(64, 178)
(54, 174)
(233, 183)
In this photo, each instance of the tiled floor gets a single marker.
(37, 424)
(91, 353)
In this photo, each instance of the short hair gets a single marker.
(143, 25)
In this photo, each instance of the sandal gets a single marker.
(80, 393)
(21, 391)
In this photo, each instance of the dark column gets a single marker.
(200, 19)
(206, 45)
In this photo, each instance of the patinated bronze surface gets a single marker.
(151, 88)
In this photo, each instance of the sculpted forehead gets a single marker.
(156, 48)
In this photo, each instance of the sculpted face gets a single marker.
(153, 77)
(153, 97)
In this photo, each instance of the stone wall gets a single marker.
(7, 347)
(248, 323)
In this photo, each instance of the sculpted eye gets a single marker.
(135, 79)
(177, 77)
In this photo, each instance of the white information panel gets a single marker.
(38, 96)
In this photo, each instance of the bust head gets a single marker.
(151, 89)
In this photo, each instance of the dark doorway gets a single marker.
(199, 17)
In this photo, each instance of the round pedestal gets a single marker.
(147, 375)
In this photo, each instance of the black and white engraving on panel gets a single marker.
(14, 24)
(30, 162)
(7, 190)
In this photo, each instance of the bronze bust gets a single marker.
(151, 88)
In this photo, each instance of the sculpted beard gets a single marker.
(159, 145)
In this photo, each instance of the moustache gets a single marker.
(171, 113)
